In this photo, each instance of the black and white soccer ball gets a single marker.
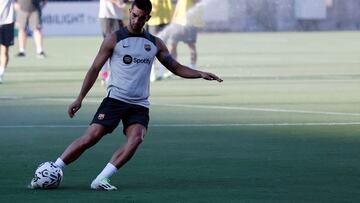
(47, 176)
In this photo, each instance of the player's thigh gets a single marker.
(155, 29)
(4, 51)
(92, 135)
(109, 25)
(95, 131)
(177, 34)
(190, 35)
(105, 26)
(109, 113)
(152, 29)
(22, 19)
(116, 25)
(35, 20)
(138, 115)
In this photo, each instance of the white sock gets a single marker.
(107, 172)
(22, 50)
(39, 50)
(2, 70)
(59, 162)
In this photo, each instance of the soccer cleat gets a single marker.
(21, 54)
(41, 55)
(103, 184)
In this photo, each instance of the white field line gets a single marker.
(235, 108)
(217, 107)
(199, 125)
(259, 109)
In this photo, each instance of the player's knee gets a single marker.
(137, 140)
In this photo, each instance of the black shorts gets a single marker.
(7, 34)
(112, 111)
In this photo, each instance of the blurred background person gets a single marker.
(186, 21)
(161, 16)
(7, 18)
(111, 15)
(28, 13)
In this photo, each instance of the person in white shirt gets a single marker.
(7, 19)
(111, 19)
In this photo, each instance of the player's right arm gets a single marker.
(102, 56)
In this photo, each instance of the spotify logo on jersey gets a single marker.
(127, 59)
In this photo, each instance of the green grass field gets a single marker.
(284, 126)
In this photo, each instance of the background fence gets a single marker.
(288, 15)
(81, 17)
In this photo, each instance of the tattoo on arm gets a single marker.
(167, 61)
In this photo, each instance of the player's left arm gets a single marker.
(164, 56)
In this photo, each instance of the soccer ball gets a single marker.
(47, 176)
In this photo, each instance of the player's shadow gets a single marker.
(178, 183)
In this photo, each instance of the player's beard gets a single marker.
(137, 27)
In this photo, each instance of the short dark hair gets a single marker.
(144, 5)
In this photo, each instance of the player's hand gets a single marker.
(74, 107)
(210, 76)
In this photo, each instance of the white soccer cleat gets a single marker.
(103, 184)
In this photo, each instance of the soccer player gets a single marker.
(161, 15)
(131, 51)
(186, 22)
(7, 19)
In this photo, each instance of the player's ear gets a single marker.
(148, 18)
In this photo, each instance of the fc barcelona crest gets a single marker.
(101, 116)
(147, 47)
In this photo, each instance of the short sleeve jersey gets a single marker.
(130, 66)
(7, 14)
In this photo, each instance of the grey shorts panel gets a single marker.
(109, 25)
(187, 34)
(155, 29)
(32, 19)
